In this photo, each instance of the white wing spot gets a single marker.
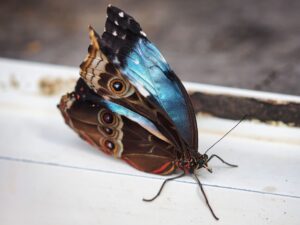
(115, 33)
(121, 14)
(143, 91)
(123, 37)
(143, 33)
(151, 150)
(116, 60)
(116, 22)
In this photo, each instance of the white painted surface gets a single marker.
(50, 176)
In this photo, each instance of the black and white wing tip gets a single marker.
(118, 20)
(120, 35)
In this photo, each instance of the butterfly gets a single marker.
(130, 104)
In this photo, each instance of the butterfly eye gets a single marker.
(117, 86)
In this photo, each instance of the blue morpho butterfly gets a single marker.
(130, 104)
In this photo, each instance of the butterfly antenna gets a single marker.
(206, 199)
(222, 160)
(241, 120)
(162, 186)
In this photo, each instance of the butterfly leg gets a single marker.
(206, 199)
(222, 160)
(161, 187)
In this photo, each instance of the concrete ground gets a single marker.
(248, 44)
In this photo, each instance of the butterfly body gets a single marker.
(130, 104)
(126, 75)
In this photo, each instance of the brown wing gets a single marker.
(117, 131)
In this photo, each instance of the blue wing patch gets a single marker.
(146, 66)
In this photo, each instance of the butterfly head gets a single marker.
(202, 162)
(197, 162)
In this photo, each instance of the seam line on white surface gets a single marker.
(30, 161)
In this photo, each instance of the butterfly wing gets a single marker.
(127, 46)
(105, 78)
(117, 130)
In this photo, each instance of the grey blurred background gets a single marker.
(247, 44)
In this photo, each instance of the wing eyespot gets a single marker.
(108, 130)
(118, 86)
(109, 144)
(106, 117)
